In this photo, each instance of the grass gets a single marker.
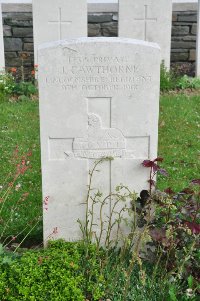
(19, 125)
(179, 140)
(179, 145)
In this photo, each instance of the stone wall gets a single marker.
(103, 25)
(18, 37)
(183, 43)
(18, 41)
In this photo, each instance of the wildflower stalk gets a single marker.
(135, 254)
(186, 258)
(88, 199)
(26, 236)
(9, 210)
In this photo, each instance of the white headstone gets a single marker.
(148, 20)
(2, 58)
(58, 19)
(198, 42)
(99, 97)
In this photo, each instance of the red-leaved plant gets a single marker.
(176, 226)
(154, 169)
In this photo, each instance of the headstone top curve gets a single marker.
(85, 40)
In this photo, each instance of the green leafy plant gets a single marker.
(5, 256)
(51, 274)
(186, 82)
(24, 89)
(7, 83)
(154, 221)
(55, 273)
(11, 88)
(168, 79)
(119, 232)
(122, 256)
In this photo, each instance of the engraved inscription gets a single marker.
(98, 74)
(99, 142)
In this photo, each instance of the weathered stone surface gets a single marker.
(17, 17)
(12, 44)
(9, 55)
(189, 38)
(7, 31)
(22, 32)
(179, 56)
(29, 62)
(185, 38)
(187, 17)
(194, 29)
(28, 40)
(192, 56)
(2, 59)
(183, 23)
(13, 62)
(94, 30)
(28, 58)
(99, 97)
(28, 47)
(180, 50)
(100, 18)
(19, 22)
(182, 44)
(180, 30)
(57, 20)
(174, 17)
(110, 29)
(177, 39)
(148, 20)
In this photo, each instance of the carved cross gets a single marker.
(60, 23)
(99, 141)
(146, 20)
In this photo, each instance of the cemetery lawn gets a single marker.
(19, 126)
(179, 145)
(179, 140)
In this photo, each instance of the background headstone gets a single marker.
(2, 58)
(148, 20)
(198, 42)
(57, 20)
(99, 97)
